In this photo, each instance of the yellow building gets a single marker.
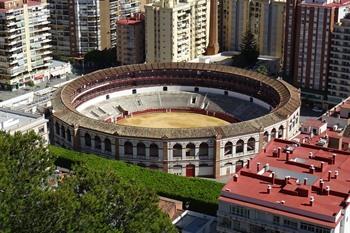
(264, 18)
(176, 30)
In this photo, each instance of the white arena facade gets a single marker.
(247, 109)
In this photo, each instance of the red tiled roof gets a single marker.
(313, 123)
(250, 189)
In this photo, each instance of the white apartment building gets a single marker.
(339, 67)
(25, 53)
(176, 31)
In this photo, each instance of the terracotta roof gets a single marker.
(313, 123)
(286, 98)
(291, 197)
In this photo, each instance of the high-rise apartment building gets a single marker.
(176, 30)
(309, 25)
(131, 40)
(339, 67)
(79, 26)
(265, 19)
(25, 50)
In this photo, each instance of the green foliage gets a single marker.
(262, 69)
(30, 83)
(101, 59)
(201, 194)
(249, 52)
(86, 201)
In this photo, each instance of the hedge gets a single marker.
(201, 194)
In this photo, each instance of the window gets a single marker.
(193, 100)
(251, 144)
(63, 132)
(240, 211)
(153, 150)
(276, 220)
(57, 128)
(177, 150)
(228, 148)
(225, 92)
(203, 149)
(134, 91)
(141, 149)
(108, 145)
(239, 146)
(313, 228)
(291, 224)
(165, 88)
(196, 89)
(87, 138)
(128, 148)
(98, 142)
(190, 149)
(69, 136)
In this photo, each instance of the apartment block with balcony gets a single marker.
(309, 26)
(339, 65)
(176, 30)
(25, 50)
(265, 19)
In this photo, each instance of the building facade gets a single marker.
(176, 30)
(79, 26)
(288, 187)
(309, 25)
(25, 50)
(265, 19)
(339, 67)
(131, 40)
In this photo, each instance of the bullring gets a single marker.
(257, 108)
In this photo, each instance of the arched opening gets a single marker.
(98, 143)
(69, 136)
(190, 170)
(63, 132)
(203, 149)
(273, 133)
(190, 149)
(128, 148)
(240, 146)
(108, 145)
(228, 167)
(87, 140)
(141, 149)
(251, 144)
(57, 128)
(177, 150)
(153, 150)
(228, 148)
(266, 136)
(280, 131)
(239, 165)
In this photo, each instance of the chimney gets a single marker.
(269, 189)
(267, 167)
(287, 156)
(312, 169)
(305, 181)
(312, 200)
(329, 175)
(235, 177)
(213, 45)
(311, 155)
(248, 163)
(321, 185)
(278, 152)
(283, 202)
(336, 173)
(273, 178)
(328, 190)
(322, 166)
(333, 158)
(286, 180)
(257, 167)
(264, 150)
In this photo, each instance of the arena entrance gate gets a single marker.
(190, 170)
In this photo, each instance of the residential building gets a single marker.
(15, 121)
(339, 67)
(131, 40)
(25, 51)
(265, 19)
(309, 25)
(288, 187)
(79, 26)
(176, 31)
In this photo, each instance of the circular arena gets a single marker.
(188, 119)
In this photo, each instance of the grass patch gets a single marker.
(201, 194)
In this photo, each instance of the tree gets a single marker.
(84, 201)
(249, 52)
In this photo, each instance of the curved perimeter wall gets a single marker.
(211, 152)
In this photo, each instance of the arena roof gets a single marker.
(283, 97)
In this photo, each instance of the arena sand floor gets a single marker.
(172, 120)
